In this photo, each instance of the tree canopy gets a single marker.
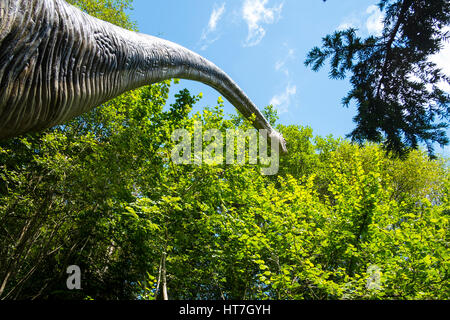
(336, 216)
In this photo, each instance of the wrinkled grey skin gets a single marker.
(57, 62)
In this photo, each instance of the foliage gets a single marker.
(394, 83)
(113, 11)
(339, 221)
(102, 193)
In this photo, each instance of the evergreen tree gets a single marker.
(394, 83)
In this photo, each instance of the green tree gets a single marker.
(113, 11)
(394, 84)
(323, 229)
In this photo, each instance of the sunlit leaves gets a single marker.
(339, 221)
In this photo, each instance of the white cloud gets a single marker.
(214, 19)
(369, 22)
(280, 65)
(351, 21)
(442, 59)
(346, 25)
(374, 23)
(255, 13)
(282, 101)
(216, 15)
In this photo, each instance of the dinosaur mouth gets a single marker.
(277, 138)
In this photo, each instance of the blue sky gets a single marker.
(262, 45)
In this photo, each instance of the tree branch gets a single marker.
(405, 6)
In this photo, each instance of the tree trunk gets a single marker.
(164, 278)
